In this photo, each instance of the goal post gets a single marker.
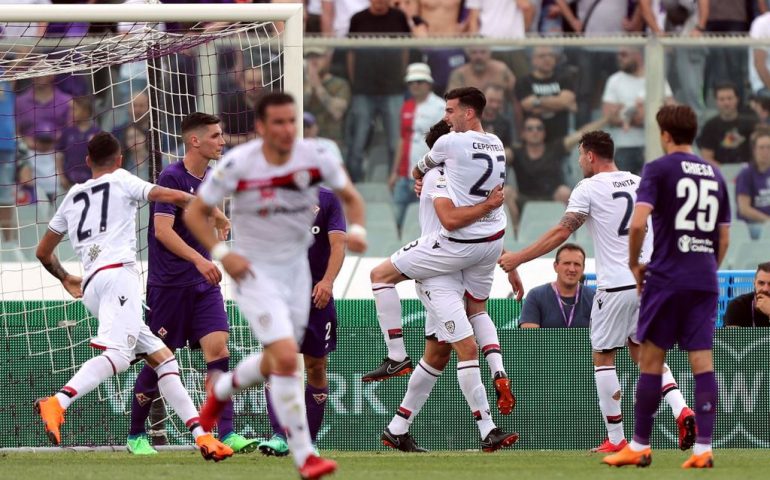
(213, 54)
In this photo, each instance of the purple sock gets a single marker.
(274, 423)
(225, 423)
(145, 390)
(315, 402)
(706, 396)
(647, 401)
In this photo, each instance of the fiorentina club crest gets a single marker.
(162, 332)
(142, 399)
(316, 209)
(320, 398)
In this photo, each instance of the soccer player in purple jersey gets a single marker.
(185, 301)
(688, 201)
(326, 256)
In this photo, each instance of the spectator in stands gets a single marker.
(41, 160)
(752, 186)
(729, 64)
(21, 29)
(761, 108)
(508, 19)
(565, 303)
(725, 137)
(237, 108)
(326, 96)
(482, 71)
(310, 130)
(623, 105)
(752, 309)
(336, 15)
(72, 145)
(136, 129)
(546, 93)
(375, 76)
(418, 114)
(136, 151)
(538, 166)
(42, 103)
(7, 163)
(411, 9)
(493, 119)
(686, 65)
(759, 57)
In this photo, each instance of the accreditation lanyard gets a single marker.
(567, 321)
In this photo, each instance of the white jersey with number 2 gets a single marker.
(607, 199)
(474, 164)
(100, 218)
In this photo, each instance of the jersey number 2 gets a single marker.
(84, 197)
(623, 227)
(476, 189)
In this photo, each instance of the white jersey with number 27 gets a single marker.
(100, 218)
(474, 164)
(607, 199)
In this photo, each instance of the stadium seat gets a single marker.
(382, 233)
(730, 171)
(747, 255)
(411, 227)
(374, 192)
(533, 229)
(540, 211)
(739, 233)
(765, 233)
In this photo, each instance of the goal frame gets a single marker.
(289, 13)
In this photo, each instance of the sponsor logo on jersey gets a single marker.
(689, 244)
(94, 252)
(600, 303)
(450, 326)
(122, 299)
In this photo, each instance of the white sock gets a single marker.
(288, 399)
(89, 376)
(608, 386)
(486, 336)
(389, 316)
(701, 448)
(637, 447)
(246, 374)
(469, 378)
(671, 393)
(174, 393)
(420, 385)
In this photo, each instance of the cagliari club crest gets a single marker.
(301, 179)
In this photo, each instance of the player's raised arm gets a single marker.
(169, 195)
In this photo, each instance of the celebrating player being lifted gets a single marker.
(274, 184)
(442, 298)
(604, 201)
(185, 302)
(470, 241)
(99, 217)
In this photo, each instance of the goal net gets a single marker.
(134, 70)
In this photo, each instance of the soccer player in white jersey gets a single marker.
(274, 186)
(446, 322)
(99, 217)
(604, 200)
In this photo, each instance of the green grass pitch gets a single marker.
(519, 465)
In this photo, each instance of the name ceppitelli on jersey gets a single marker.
(624, 183)
(701, 169)
(487, 146)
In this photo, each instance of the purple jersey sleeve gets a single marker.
(647, 193)
(169, 181)
(329, 218)
(335, 221)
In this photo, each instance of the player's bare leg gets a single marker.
(421, 383)
(170, 385)
(217, 356)
(486, 335)
(469, 378)
(384, 278)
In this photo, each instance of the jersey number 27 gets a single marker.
(84, 197)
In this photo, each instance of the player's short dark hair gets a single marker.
(435, 132)
(196, 120)
(272, 99)
(103, 149)
(679, 121)
(599, 142)
(572, 247)
(725, 86)
(763, 267)
(470, 97)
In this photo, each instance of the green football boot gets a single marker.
(140, 445)
(239, 443)
(276, 446)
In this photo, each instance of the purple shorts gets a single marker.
(686, 317)
(321, 334)
(182, 315)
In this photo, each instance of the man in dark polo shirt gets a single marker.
(752, 309)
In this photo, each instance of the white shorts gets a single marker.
(445, 318)
(276, 300)
(114, 297)
(433, 255)
(614, 316)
